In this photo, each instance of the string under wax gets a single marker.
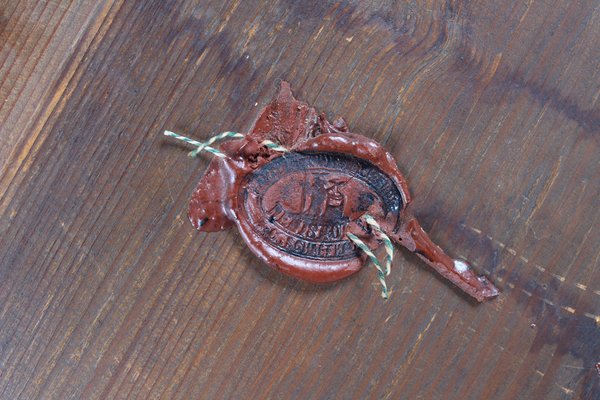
(382, 271)
(206, 146)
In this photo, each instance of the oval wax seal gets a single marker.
(297, 209)
(294, 209)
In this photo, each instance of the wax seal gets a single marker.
(311, 199)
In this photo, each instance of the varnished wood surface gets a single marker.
(490, 107)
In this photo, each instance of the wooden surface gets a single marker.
(490, 107)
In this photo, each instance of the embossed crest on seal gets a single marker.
(297, 210)
(303, 203)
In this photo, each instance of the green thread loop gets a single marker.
(380, 274)
(193, 142)
(220, 136)
(387, 243)
(274, 146)
(206, 146)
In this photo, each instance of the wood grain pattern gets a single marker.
(491, 109)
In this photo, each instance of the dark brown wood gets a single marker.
(490, 108)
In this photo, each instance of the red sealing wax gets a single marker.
(295, 209)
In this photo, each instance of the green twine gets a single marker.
(389, 250)
(206, 146)
(193, 142)
(274, 146)
(380, 275)
(387, 243)
(213, 139)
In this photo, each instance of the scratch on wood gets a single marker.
(566, 390)
(491, 71)
(540, 268)
(546, 189)
(476, 230)
(594, 317)
(319, 32)
(548, 302)
(572, 366)
(418, 341)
